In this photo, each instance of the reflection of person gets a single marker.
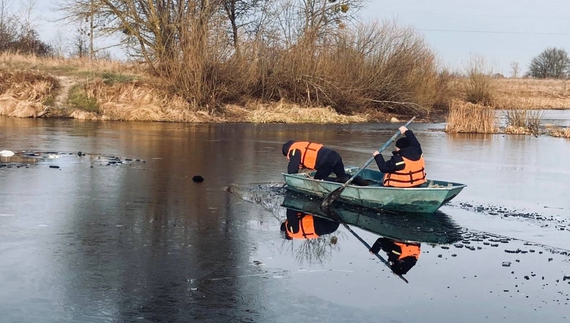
(406, 167)
(314, 156)
(402, 256)
(301, 225)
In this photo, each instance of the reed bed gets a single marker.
(522, 121)
(466, 117)
(559, 132)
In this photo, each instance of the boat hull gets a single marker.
(426, 199)
(435, 228)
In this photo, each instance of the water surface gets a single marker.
(139, 241)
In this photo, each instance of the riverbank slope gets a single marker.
(110, 90)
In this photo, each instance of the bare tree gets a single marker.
(85, 17)
(241, 13)
(551, 63)
(17, 32)
(8, 26)
(515, 69)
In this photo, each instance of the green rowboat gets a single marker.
(427, 198)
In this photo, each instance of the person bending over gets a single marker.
(402, 256)
(315, 156)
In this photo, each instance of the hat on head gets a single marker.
(403, 143)
(286, 147)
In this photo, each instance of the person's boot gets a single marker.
(343, 179)
(360, 181)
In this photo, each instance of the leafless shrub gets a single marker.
(479, 86)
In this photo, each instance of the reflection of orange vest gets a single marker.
(306, 228)
(309, 152)
(408, 250)
(412, 175)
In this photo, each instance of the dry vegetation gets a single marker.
(109, 90)
(558, 132)
(520, 100)
(119, 91)
(366, 74)
(262, 62)
(470, 117)
(529, 93)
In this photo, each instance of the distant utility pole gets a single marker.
(91, 27)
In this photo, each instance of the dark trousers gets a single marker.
(333, 164)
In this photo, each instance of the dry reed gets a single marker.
(522, 121)
(470, 118)
(559, 132)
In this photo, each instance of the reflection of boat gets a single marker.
(425, 199)
(429, 228)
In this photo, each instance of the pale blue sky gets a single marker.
(501, 31)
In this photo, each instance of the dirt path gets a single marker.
(66, 83)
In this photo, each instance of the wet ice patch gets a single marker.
(268, 195)
(556, 219)
(59, 160)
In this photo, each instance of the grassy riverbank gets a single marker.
(111, 90)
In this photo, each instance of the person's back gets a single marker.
(300, 225)
(313, 156)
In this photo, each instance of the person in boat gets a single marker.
(402, 256)
(406, 167)
(300, 225)
(314, 156)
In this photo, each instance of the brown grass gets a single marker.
(470, 118)
(22, 93)
(292, 113)
(66, 66)
(526, 93)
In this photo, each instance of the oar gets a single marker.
(336, 193)
(331, 212)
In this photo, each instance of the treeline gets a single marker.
(311, 52)
(17, 35)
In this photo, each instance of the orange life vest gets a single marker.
(306, 228)
(408, 250)
(412, 175)
(309, 152)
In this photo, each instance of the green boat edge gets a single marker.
(427, 198)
